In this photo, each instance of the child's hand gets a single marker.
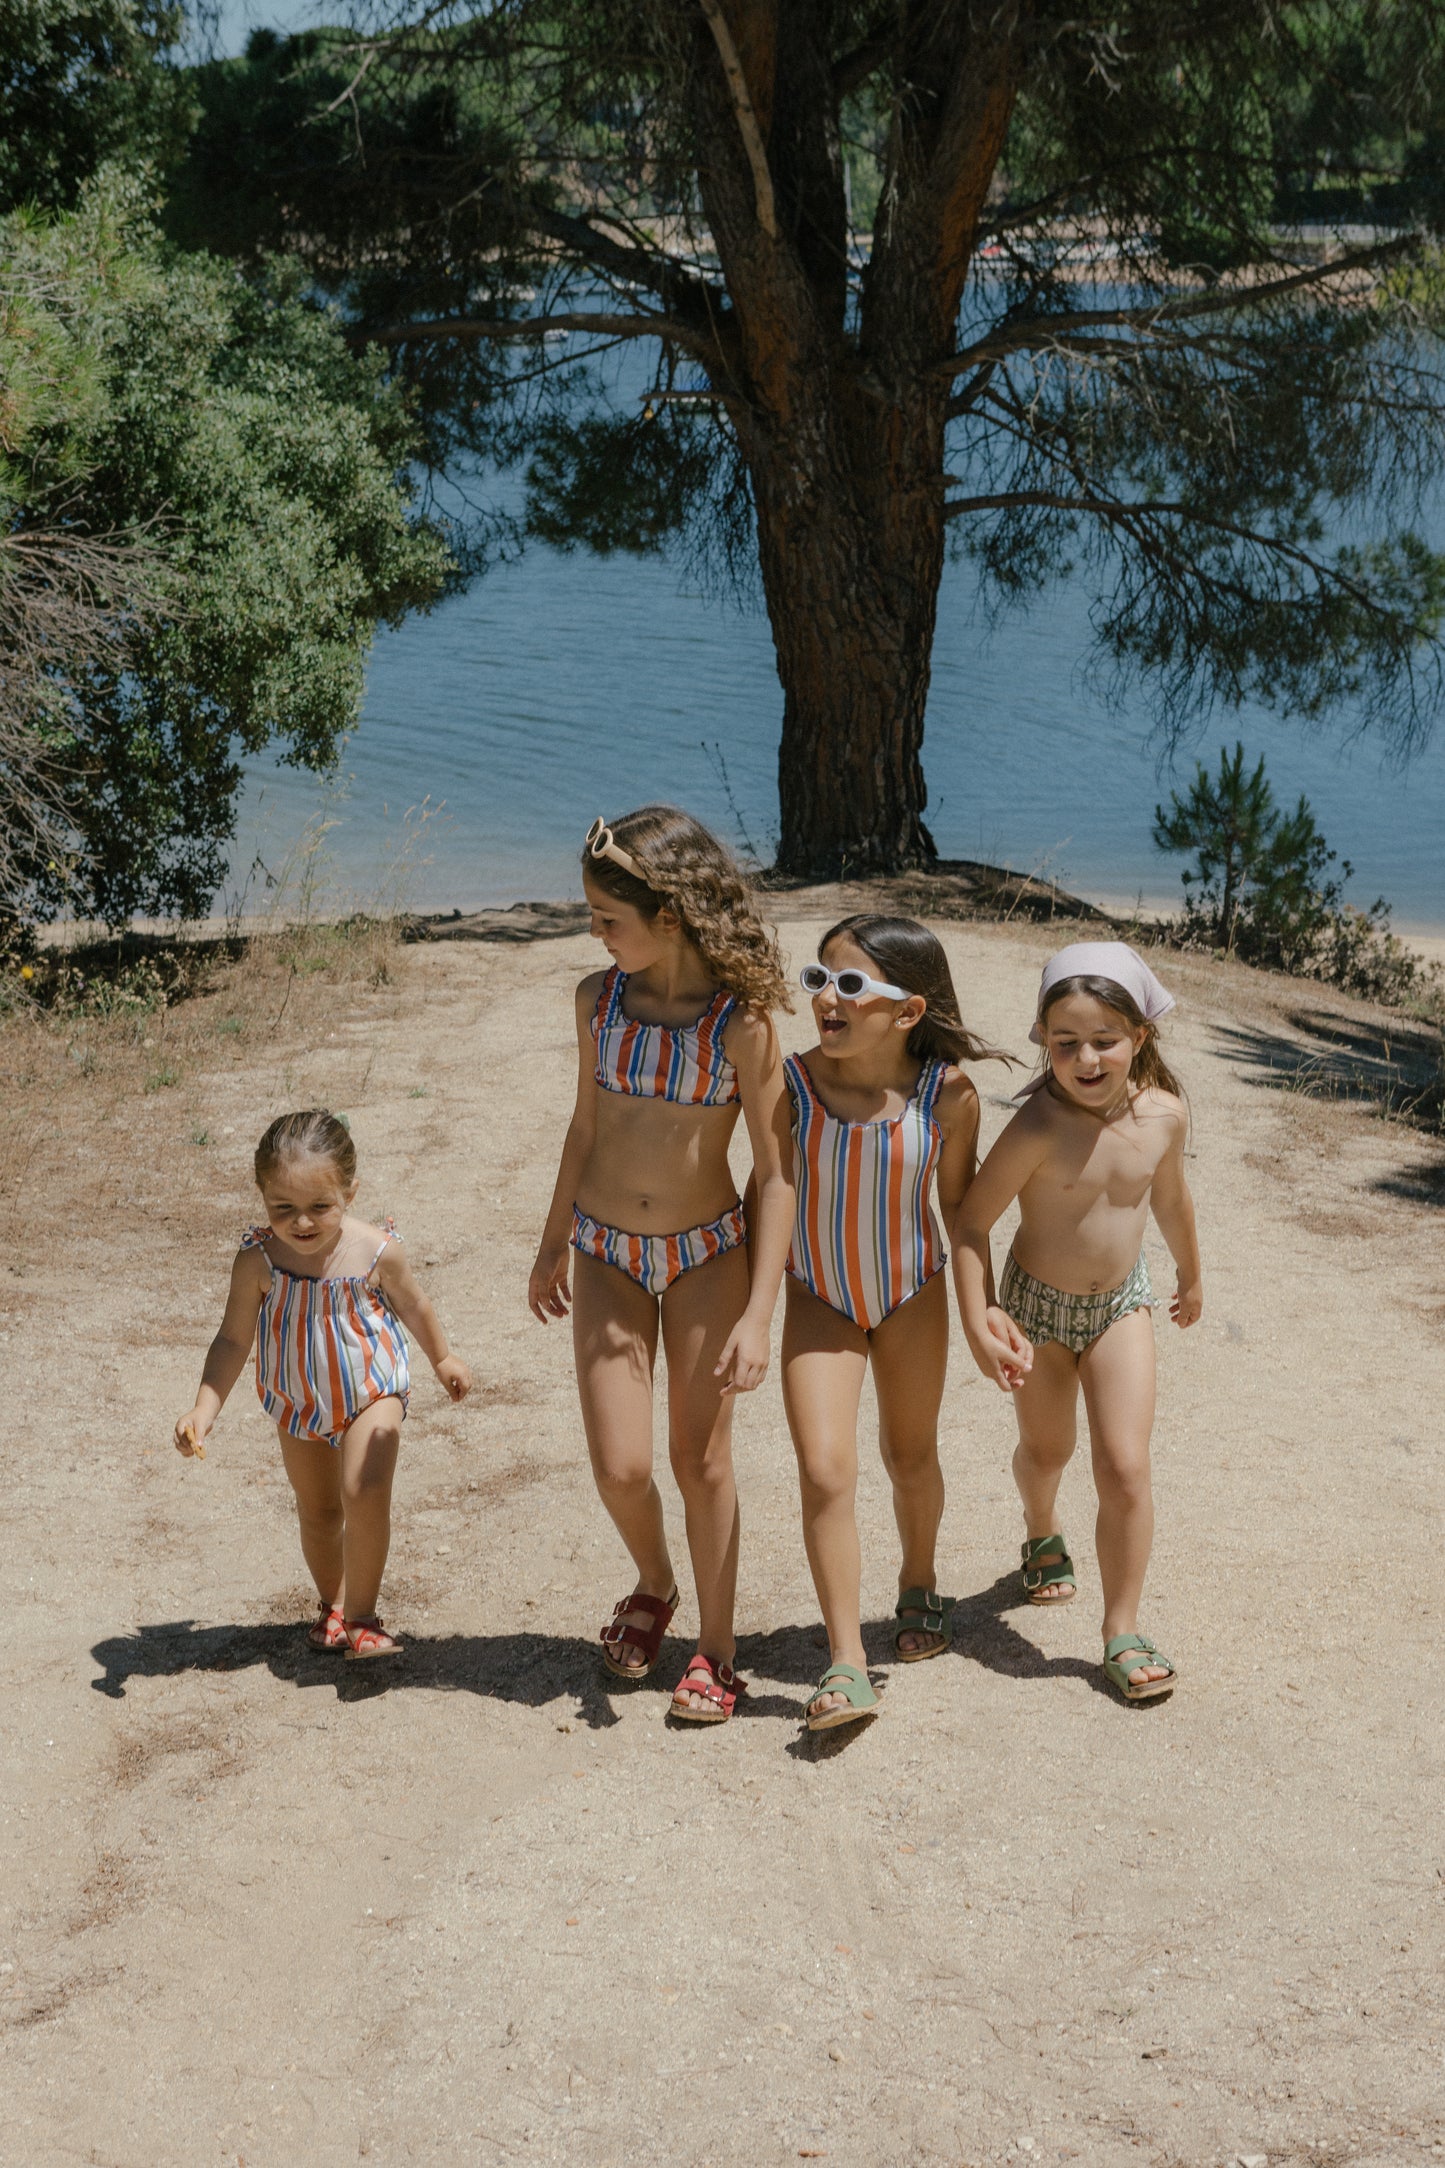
(547, 1291)
(191, 1432)
(743, 1363)
(455, 1375)
(1002, 1352)
(1186, 1306)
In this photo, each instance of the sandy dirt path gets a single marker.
(259, 1910)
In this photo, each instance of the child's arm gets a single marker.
(994, 1340)
(1173, 1210)
(753, 1049)
(958, 1118)
(226, 1356)
(402, 1290)
(547, 1291)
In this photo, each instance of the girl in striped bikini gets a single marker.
(880, 1112)
(325, 1298)
(673, 1043)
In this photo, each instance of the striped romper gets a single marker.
(688, 1067)
(326, 1349)
(864, 1235)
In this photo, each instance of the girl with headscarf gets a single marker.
(1097, 1145)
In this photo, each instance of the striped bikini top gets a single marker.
(864, 1234)
(654, 1061)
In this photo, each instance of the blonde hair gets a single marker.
(689, 872)
(313, 1134)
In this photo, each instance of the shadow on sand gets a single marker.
(535, 1669)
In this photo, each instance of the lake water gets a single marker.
(564, 686)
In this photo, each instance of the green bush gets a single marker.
(1261, 889)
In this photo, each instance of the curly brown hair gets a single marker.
(690, 873)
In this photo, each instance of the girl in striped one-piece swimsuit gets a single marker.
(882, 1116)
(674, 1043)
(327, 1300)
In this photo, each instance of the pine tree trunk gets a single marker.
(851, 577)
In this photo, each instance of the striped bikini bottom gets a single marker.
(655, 1261)
(1047, 1313)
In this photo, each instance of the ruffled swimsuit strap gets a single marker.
(389, 1234)
(256, 1238)
(930, 1085)
(609, 1001)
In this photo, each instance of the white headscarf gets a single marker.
(1111, 960)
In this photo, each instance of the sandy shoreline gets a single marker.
(488, 1909)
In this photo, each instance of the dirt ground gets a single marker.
(262, 1909)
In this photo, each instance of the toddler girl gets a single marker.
(325, 1296)
(1097, 1145)
(880, 1111)
(673, 1042)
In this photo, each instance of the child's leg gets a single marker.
(910, 1362)
(1117, 1373)
(1046, 1406)
(614, 1338)
(824, 1358)
(368, 1463)
(699, 1310)
(314, 1473)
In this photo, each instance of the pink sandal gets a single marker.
(368, 1638)
(329, 1631)
(719, 1685)
(615, 1637)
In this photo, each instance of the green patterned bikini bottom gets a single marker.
(1047, 1313)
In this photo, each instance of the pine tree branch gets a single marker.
(852, 70)
(434, 329)
(747, 119)
(1056, 330)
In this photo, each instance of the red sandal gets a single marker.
(615, 1637)
(719, 1685)
(329, 1631)
(368, 1638)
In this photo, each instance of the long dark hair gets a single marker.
(909, 956)
(1148, 1066)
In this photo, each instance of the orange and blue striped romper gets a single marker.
(326, 1349)
(864, 1234)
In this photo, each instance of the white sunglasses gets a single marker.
(599, 843)
(849, 985)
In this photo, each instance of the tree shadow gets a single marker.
(1396, 1069)
(1396, 1066)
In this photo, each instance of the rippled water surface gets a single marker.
(564, 686)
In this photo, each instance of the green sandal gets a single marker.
(1059, 1573)
(848, 1680)
(923, 1611)
(1120, 1674)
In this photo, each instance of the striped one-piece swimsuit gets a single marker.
(687, 1065)
(864, 1234)
(326, 1349)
